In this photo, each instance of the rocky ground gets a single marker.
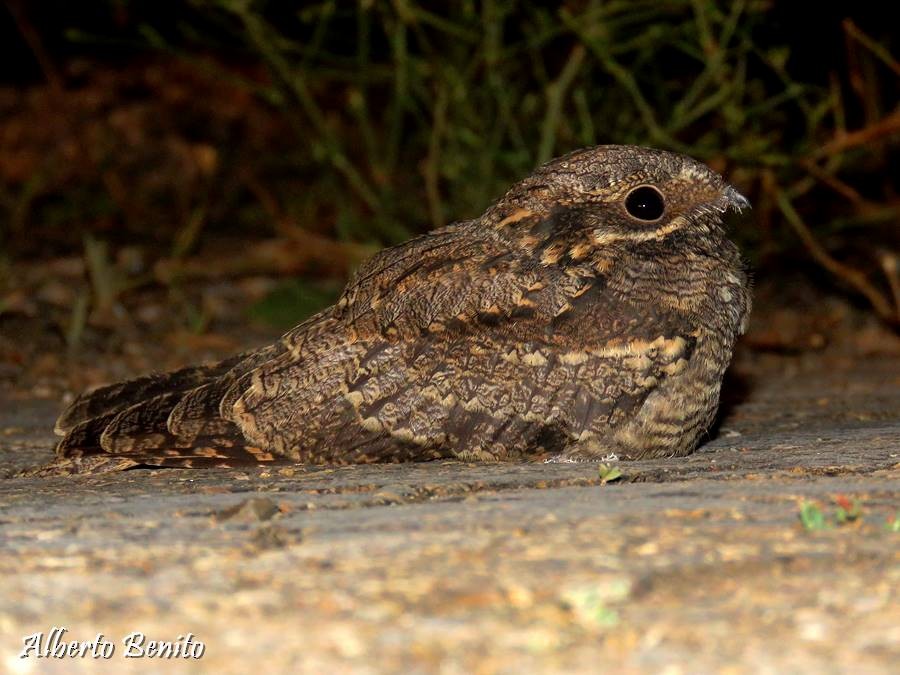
(696, 565)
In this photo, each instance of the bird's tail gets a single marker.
(164, 420)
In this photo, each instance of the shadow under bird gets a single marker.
(591, 311)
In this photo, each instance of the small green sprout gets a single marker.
(847, 512)
(595, 605)
(609, 473)
(812, 517)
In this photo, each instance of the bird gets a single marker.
(589, 313)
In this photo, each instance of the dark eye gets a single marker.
(645, 203)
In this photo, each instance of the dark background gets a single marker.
(180, 179)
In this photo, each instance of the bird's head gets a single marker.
(621, 195)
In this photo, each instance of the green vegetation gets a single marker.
(367, 122)
(293, 298)
(847, 511)
(609, 473)
(893, 523)
(594, 606)
(814, 518)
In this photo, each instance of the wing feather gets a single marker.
(116, 397)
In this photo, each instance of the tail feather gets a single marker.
(197, 413)
(104, 463)
(202, 410)
(140, 434)
(144, 422)
(84, 437)
(160, 420)
(116, 397)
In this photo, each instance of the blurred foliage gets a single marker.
(367, 122)
(293, 298)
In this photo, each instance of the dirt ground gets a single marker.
(696, 565)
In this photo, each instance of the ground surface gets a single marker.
(692, 566)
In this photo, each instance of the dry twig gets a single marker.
(883, 127)
(858, 280)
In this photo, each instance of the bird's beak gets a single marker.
(735, 199)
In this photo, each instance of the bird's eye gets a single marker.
(645, 203)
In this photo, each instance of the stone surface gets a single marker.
(694, 565)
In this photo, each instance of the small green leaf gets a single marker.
(595, 605)
(609, 473)
(812, 517)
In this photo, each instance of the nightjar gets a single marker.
(592, 310)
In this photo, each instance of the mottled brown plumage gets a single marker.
(566, 323)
